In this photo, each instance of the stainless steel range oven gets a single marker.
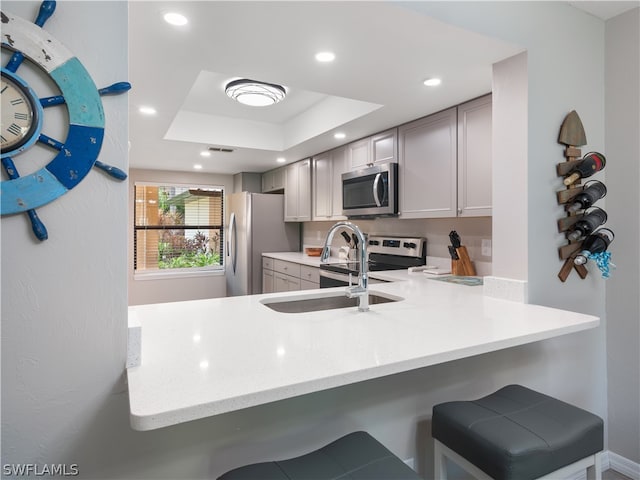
(385, 253)
(345, 277)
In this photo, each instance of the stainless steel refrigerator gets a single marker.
(256, 225)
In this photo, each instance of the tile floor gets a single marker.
(613, 475)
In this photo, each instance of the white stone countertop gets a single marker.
(206, 357)
(300, 257)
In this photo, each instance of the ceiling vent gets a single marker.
(220, 149)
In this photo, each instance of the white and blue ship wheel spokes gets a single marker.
(78, 153)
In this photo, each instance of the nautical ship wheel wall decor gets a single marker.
(23, 125)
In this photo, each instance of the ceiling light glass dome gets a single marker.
(254, 93)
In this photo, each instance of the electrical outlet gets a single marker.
(486, 248)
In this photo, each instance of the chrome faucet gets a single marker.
(360, 290)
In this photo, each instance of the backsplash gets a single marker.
(436, 230)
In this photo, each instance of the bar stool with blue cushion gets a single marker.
(517, 434)
(356, 456)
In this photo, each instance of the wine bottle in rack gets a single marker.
(591, 163)
(592, 191)
(597, 242)
(591, 220)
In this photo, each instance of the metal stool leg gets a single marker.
(439, 462)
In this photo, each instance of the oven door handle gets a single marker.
(343, 277)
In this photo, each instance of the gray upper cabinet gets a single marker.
(322, 187)
(445, 163)
(379, 148)
(384, 147)
(359, 153)
(273, 180)
(297, 192)
(444, 168)
(327, 184)
(474, 158)
(339, 165)
(427, 166)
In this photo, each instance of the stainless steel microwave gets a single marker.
(372, 191)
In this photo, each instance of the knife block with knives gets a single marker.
(460, 262)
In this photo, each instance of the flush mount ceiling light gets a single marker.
(432, 82)
(254, 93)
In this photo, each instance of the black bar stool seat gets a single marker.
(356, 456)
(517, 434)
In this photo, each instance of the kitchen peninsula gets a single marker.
(207, 357)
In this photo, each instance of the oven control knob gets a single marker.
(374, 242)
(409, 245)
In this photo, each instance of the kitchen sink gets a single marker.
(315, 303)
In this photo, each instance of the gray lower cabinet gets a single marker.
(268, 281)
(309, 277)
(285, 283)
(284, 276)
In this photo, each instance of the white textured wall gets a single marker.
(168, 289)
(64, 301)
(510, 200)
(622, 112)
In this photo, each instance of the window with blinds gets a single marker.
(178, 227)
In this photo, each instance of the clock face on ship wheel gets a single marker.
(22, 118)
(21, 114)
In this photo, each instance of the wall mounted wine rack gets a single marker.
(572, 136)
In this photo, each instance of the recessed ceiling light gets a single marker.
(147, 110)
(255, 93)
(176, 19)
(197, 166)
(205, 153)
(432, 82)
(339, 135)
(281, 159)
(325, 57)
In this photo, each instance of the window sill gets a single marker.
(170, 275)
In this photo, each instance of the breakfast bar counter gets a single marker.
(207, 357)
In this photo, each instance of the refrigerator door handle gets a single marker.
(232, 245)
